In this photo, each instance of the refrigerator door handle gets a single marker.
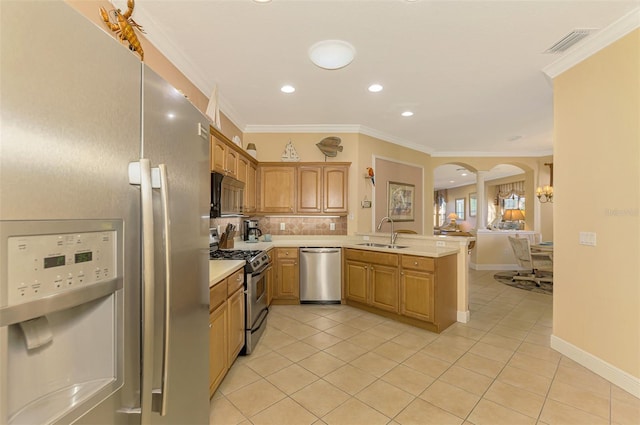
(148, 326)
(160, 395)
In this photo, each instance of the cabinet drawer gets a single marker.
(217, 294)
(235, 281)
(382, 258)
(287, 252)
(418, 263)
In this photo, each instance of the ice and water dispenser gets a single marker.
(61, 314)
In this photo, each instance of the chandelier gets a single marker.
(545, 193)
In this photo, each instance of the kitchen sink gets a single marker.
(382, 245)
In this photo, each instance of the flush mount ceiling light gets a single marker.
(332, 54)
(375, 88)
(287, 89)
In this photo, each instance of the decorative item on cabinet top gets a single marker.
(122, 24)
(330, 146)
(290, 154)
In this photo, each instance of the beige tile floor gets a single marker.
(339, 365)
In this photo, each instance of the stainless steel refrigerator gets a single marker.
(104, 219)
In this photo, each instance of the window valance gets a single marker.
(507, 190)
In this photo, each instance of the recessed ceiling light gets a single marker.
(332, 54)
(464, 174)
(514, 138)
(452, 181)
(262, 1)
(375, 88)
(287, 89)
(407, 114)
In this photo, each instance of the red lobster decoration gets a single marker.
(124, 27)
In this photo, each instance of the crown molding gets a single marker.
(476, 154)
(173, 54)
(336, 128)
(303, 128)
(229, 111)
(595, 43)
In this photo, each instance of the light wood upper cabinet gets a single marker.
(218, 155)
(304, 188)
(335, 184)
(277, 189)
(224, 159)
(247, 174)
(309, 190)
(250, 192)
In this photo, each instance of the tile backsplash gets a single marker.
(292, 225)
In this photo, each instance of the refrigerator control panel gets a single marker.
(42, 265)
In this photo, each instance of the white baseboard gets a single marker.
(505, 267)
(619, 377)
(464, 316)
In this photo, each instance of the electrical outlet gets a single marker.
(332, 226)
(441, 244)
(282, 226)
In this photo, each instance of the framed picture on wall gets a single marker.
(473, 204)
(400, 200)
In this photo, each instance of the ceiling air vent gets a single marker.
(569, 40)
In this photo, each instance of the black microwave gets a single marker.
(227, 196)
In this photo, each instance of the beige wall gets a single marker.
(370, 147)
(457, 193)
(597, 180)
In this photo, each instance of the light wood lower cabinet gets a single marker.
(235, 329)
(287, 281)
(226, 326)
(417, 294)
(217, 347)
(372, 278)
(417, 290)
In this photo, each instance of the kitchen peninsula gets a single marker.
(433, 254)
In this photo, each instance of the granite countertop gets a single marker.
(349, 242)
(219, 269)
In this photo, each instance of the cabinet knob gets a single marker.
(210, 326)
(415, 263)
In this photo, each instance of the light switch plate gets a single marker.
(282, 226)
(332, 226)
(440, 244)
(588, 238)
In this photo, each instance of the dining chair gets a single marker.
(535, 266)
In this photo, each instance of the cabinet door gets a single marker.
(235, 328)
(356, 281)
(243, 165)
(309, 189)
(217, 347)
(287, 279)
(218, 155)
(250, 204)
(335, 184)
(231, 162)
(416, 293)
(384, 287)
(277, 189)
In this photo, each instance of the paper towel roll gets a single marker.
(37, 332)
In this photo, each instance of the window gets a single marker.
(515, 202)
(439, 207)
(460, 208)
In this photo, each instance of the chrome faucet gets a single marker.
(394, 235)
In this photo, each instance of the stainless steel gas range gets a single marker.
(255, 284)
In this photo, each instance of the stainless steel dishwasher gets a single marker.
(320, 275)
